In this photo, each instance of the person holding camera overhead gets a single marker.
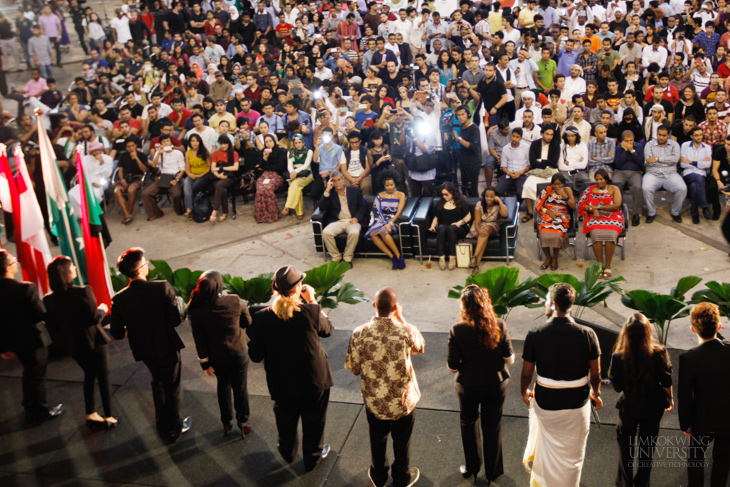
(286, 337)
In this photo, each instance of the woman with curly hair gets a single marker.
(642, 373)
(479, 352)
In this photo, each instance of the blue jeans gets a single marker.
(490, 161)
(46, 71)
(192, 186)
(673, 183)
(697, 192)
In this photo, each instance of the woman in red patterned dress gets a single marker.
(553, 209)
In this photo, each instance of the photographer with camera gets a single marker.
(469, 140)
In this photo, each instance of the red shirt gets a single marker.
(253, 95)
(134, 123)
(714, 136)
(285, 29)
(182, 116)
(155, 143)
(670, 94)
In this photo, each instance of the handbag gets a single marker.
(463, 254)
(422, 163)
(303, 174)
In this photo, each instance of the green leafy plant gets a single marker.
(119, 281)
(662, 309)
(589, 292)
(256, 290)
(182, 280)
(328, 287)
(504, 288)
(717, 293)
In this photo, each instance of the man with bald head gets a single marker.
(380, 353)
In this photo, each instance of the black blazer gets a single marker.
(146, 311)
(218, 329)
(293, 356)
(21, 327)
(536, 153)
(475, 365)
(645, 401)
(72, 315)
(330, 206)
(704, 391)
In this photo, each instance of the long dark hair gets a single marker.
(224, 139)
(59, 274)
(476, 309)
(202, 150)
(208, 290)
(455, 193)
(637, 346)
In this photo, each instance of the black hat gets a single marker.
(286, 278)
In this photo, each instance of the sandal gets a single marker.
(213, 217)
(285, 212)
(526, 218)
(127, 220)
(222, 217)
(300, 217)
(553, 268)
(607, 273)
(544, 266)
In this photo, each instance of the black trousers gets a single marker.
(167, 393)
(400, 430)
(420, 188)
(232, 375)
(700, 444)
(57, 44)
(636, 450)
(95, 364)
(470, 171)
(312, 408)
(490, 400)
(725, 226)
(316, 189)
(446, 237)
(80, 32)
(34, 363)
(505, 184)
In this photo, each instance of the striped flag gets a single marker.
(60, 212)
(34, 253)
(92, 225)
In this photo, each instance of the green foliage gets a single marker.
(717, 293)
(256, 290)
(328, 288)
(662, 309)
(505, 290)
(119, 281)
(589, 292)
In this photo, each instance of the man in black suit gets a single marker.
(704, 397)
(344, 209)
(23, 334)
(147, 313)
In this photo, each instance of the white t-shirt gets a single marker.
(122, 27)
(355, 167)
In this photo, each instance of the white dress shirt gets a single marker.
(572, 158)
(515, 160)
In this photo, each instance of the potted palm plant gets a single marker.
(717, 293)
(662, 309)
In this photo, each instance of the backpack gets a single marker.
(202, 208)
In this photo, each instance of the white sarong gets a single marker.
(556, 444)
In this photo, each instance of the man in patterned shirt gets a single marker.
(380, 353)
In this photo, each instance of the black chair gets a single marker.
(621, 241)
(365, 247)
(503, 247)
(571, 229)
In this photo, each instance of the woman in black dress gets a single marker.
(450, 223)
(218, 322)
(479, 351)
(640, 370)
(72, 313)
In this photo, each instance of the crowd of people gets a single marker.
(560, 380)
(206, 100)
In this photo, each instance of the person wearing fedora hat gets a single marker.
(286, 337)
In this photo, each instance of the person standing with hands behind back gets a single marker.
(380, 353)
(286, 337)
(23, 334)
(567, 356)
(479, 352)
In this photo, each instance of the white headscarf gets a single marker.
(234, 13)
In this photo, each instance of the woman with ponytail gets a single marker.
(218, 322)
(479, 351)
(641, 371)
(285, 336)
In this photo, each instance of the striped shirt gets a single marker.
(601, 155)
(668, 155)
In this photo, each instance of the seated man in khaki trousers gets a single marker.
(344, 209)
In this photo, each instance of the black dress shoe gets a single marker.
(696, 219)
(635, 220)
(715, 215)
(466, 474)
(677, 218)
(56, 410)
(325, 450)
(186, 425)
(706, 213)
(650, 218)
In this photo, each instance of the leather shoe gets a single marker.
(635, 220)
(650, 218)
(185, 425)
(325, 450)
(696, 219)
(466, 474)
(413, 475)
(677, 218)
(56, 410)
(706, 213)
(715, 215)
